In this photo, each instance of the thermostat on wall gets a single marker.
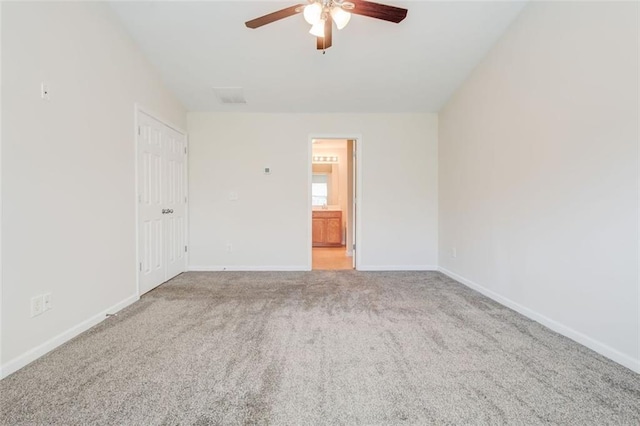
(267, 170)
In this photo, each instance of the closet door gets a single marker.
(161, 202)
(175, 152)
(151, 194)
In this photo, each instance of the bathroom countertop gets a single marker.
(328, 209)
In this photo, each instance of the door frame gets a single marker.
(140, 109)
(357, 138)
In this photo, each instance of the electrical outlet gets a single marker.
(454, 252)
(46, 302)
(36, 306)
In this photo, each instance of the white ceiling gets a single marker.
(373, 66)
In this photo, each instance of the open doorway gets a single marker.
(333, 199)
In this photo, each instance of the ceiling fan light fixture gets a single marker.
(340, 16)
(318, 29)
(312, 13)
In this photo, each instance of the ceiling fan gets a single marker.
(321, 14)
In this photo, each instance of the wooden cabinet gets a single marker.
(327, 228)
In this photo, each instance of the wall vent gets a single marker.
(230, 95)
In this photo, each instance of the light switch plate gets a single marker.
(44, 91)
(46, 302)
(37, 306)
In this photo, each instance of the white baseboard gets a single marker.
(397, 268)
(597, 346)
(35, 353)
(217, 268)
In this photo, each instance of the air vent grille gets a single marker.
(230, 95)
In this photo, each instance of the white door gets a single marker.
(175, 203)
(162, 202)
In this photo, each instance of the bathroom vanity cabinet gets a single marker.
(327, 228)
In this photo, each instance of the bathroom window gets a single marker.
(319, 190)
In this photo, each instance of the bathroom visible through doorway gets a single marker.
(332, 203)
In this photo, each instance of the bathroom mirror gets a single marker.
(324, 185)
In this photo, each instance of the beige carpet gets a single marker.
(319, 348)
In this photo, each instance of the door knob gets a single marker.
(171, 211)
(164, 211)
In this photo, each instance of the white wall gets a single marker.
(68, 218)
(539, 173)
(268, 226)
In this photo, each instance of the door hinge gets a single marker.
(141, 266)
(185, 149)
(354, 247)
(139, 131)
(185, 249)
(185, 199)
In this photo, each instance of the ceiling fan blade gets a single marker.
(323, 43)
(379, 11)
(275, 16)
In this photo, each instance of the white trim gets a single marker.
(242, 268)
(136, 195)
(40, 350)
(357, 138)
(218, 268)
(1, 298)
(601, 348)
(159, 118)
(309, 266)
(638, 208)
(186, 204)
(357, 254)
(398, 268)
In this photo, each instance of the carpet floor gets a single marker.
(322, 347)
